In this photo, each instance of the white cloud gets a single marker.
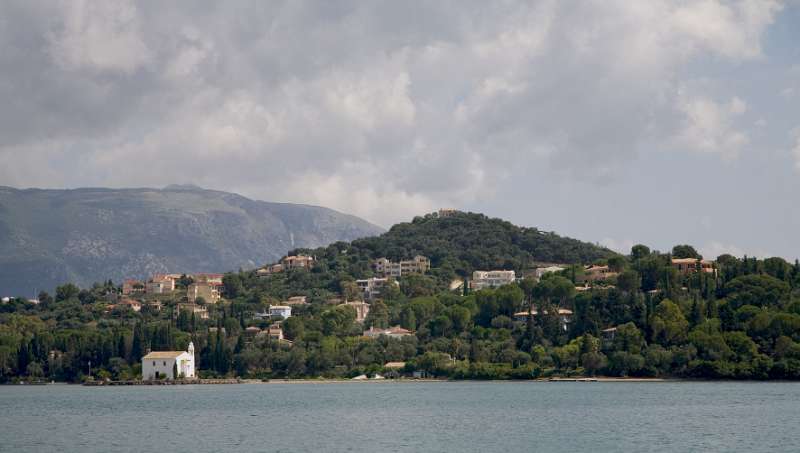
(102, 35)
(623, 246)
(709, 126)
(713, 249)
(796, 148)
(383, 110)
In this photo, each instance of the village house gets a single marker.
(275, 332)
(542, 271)
(491, 279)
(447, 212)
(564, 317)
(609, 334)
(212, 279)
(688, 265)
(418, 265)
(362, 309)
(392, 332)
(132, 287)
(296, 300)
(134, 305)
(394, 365)
(595, 273)
(198, 310)
(283, 311)
(160, 285)
(252, 331)
(269, 270)
(298, 262)
(206, 290)
(371, 287)
(169, 364)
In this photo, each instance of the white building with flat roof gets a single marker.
(491, 279)
(283, 311)
(169, 364)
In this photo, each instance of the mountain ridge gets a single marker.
(82, 235)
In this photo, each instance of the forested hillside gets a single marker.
(738, 318)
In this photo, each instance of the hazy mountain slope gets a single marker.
(48, 237)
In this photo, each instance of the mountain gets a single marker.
(48, 237)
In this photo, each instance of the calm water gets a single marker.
(446, 417)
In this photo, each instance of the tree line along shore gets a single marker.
(495, 301)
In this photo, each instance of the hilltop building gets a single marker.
(362, 309)
(132, 287)
(417, 265)
(298, 262)
(169, 364)
(595, 273)
(491, 279)
(564, 317)
(688, 265)
(296, 300)
(198, 310)
(283, 311)
(539, 272)
(371, 287)
(392, 332)
(208, 291)
(160, 285)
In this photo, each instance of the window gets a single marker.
(164, 363)
(154, 363)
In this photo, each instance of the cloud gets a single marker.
(713, 249)
(98, 35)
(708, 126)
(623, 246)
(379, 109)
(796, 149)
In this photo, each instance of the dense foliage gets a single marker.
(741, 323)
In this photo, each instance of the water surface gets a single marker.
(386, 416)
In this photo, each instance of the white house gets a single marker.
(283, 311)
(169, 364)
(491, 279)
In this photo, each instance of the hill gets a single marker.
(48, 237)
(457, 245)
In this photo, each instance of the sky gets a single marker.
(612, 121)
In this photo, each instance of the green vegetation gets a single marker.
(741, 322)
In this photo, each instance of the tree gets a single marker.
(639, 251)
(616, 263)
(378, 315)
(137, 346)
(293, 328)
(629, 281)
(685, 251)
(668, 324)
(66, 292)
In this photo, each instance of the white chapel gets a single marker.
(169, 364)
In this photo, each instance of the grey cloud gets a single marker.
(372, 104)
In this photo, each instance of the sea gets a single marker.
(404, 416)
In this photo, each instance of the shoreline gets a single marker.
(597, 379)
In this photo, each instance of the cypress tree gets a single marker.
(137, 345)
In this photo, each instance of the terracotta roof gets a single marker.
(394, 365)
(684, 260)
(163, 355)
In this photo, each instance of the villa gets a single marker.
(283, 311)
(491, 279)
